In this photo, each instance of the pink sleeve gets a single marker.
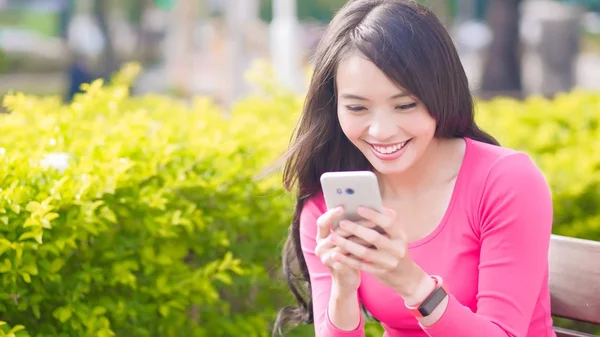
(320, 277)
(515, 215)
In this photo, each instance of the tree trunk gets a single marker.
(502, 71)
(109, 59)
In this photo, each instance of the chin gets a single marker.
(390, 169)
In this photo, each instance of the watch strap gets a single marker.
(432, 301)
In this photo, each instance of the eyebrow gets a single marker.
(360, 98)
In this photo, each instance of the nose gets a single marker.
(382, 126)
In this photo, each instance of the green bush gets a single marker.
(142, 216)
(139, 216)
(563, 136)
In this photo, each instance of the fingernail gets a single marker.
(366, 260)
(344, 224)
(332, 238)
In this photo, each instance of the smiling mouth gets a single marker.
(390, 149)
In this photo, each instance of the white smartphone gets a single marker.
(351, 189)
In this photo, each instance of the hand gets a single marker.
(389, 261)
(345, 277)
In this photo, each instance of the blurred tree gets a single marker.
(135, 10)
(321, 10)
(165, 4)
(502, 70)
(592, 5)
(109, 57)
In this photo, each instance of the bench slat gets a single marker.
(568, 333)
(575, 279)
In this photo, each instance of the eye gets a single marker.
(406, 106)
(355, 108)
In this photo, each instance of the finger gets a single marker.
(360, 241)
(331, 255)
(329, 258)
(358, 250)
(325, 221)
(342, 233)
(385, 219)
(356, 263)
(323, 246)
(372, 225)
(367, 234)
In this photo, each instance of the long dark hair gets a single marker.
(410, 45)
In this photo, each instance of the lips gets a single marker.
(389, 149)
(389, 152)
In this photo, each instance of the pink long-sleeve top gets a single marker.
(491, 249)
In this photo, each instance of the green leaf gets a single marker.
(98, 311)
(4, 245)
(16, 208)
(236, 269)
(62, 313)
(33, 206)
(17, 328)
(30, 269)
(109, 215)
(32, 222)
(56, 265)
(223, 277)
(46, 221)
(36, 310)
(6, 267)
(26, 277)
(164, 310)
(35, 234)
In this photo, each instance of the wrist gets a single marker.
(339, 290)
(417, 287)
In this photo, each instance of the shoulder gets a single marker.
(507, 170)
(489, 165)
(511, 186)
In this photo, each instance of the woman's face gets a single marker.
(391, 128)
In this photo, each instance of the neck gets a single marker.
(439, 163)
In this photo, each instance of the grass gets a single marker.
(46, 24)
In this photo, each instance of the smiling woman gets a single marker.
(369, 109)
(467, 222)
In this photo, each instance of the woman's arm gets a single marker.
(336, 313)
(343, 311)
(516, 223)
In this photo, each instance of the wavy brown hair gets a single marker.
(411, 46)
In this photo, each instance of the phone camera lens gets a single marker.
(349, 191)
(339, 191)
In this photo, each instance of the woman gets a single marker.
(467, 222)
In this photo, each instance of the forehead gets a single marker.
(358, 75)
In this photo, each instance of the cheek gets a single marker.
(422, 124)
(351, 126)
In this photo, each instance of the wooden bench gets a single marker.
(575, 282)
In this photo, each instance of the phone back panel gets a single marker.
(351, 190)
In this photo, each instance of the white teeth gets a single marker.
(390, 149)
